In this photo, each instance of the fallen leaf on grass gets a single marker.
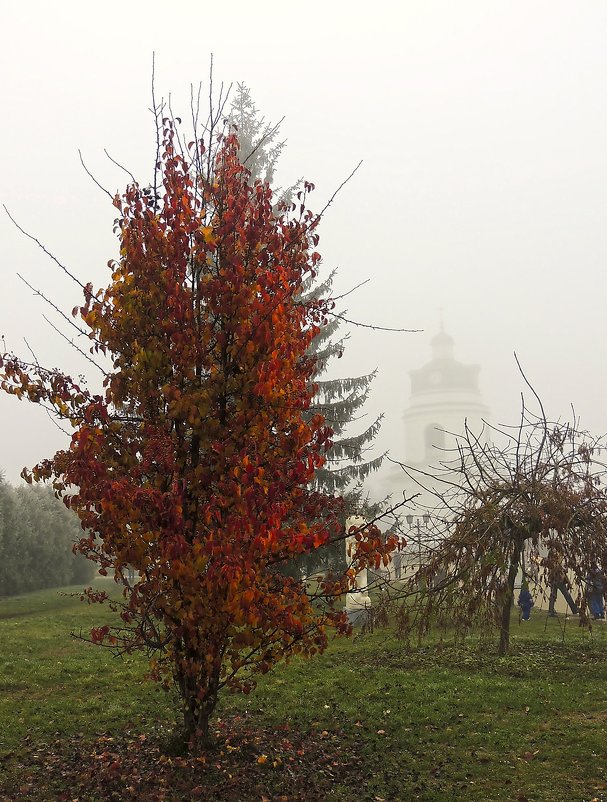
(303, 766)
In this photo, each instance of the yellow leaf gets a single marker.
(208, 235)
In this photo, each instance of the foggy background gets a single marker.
(481, 199)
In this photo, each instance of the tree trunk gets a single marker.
(196, 725)
(197, 713)
(507, 602)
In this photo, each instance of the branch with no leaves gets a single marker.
(48, 253)
(73, 344)
(93, 179)
(338, 190)
(57, 309)
(122, 167)
(371, 325)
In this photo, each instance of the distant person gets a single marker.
(397, 562)
(525, 601)
(131, 576)
(595, 587)
(559, 581)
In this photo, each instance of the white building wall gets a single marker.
(429, 422)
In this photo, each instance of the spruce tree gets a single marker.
(339, 400)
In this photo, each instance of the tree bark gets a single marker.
(515, 561)
(197, 713)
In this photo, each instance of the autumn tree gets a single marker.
(195, 464)
(526, 505)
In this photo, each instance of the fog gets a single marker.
(481, 199)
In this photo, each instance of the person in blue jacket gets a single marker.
(595, 588)
(525, 601)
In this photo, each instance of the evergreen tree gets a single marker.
(2, 525)
(37, 533)
(46, 557)
(339, 400)
(259, 149)
(13, 543)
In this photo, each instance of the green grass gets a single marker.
(433, 723)
(52, 682)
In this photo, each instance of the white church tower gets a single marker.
(444, 396)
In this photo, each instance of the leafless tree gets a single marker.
(529, 504)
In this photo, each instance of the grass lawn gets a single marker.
(368, 720)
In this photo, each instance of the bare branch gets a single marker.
(73, 344)
(371, 326)
(59, 311)
(349, 292)
(48, 253)
(92, 177)
(157, 113)
(124, 169)
(338, 190)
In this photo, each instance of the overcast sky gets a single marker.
(482, 196)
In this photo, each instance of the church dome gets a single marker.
(443, 373)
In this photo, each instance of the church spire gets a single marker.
(442, 345)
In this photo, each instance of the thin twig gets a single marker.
(156, 112)
(349, 292)
(264, 138)
(44, 407)
(539, 401)
(371, 326)
(58, 310)
(211, 120)
(128, 172)
(73, 344)
(49, 254)
(176, 123)
(93, 179)
(339, 188)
